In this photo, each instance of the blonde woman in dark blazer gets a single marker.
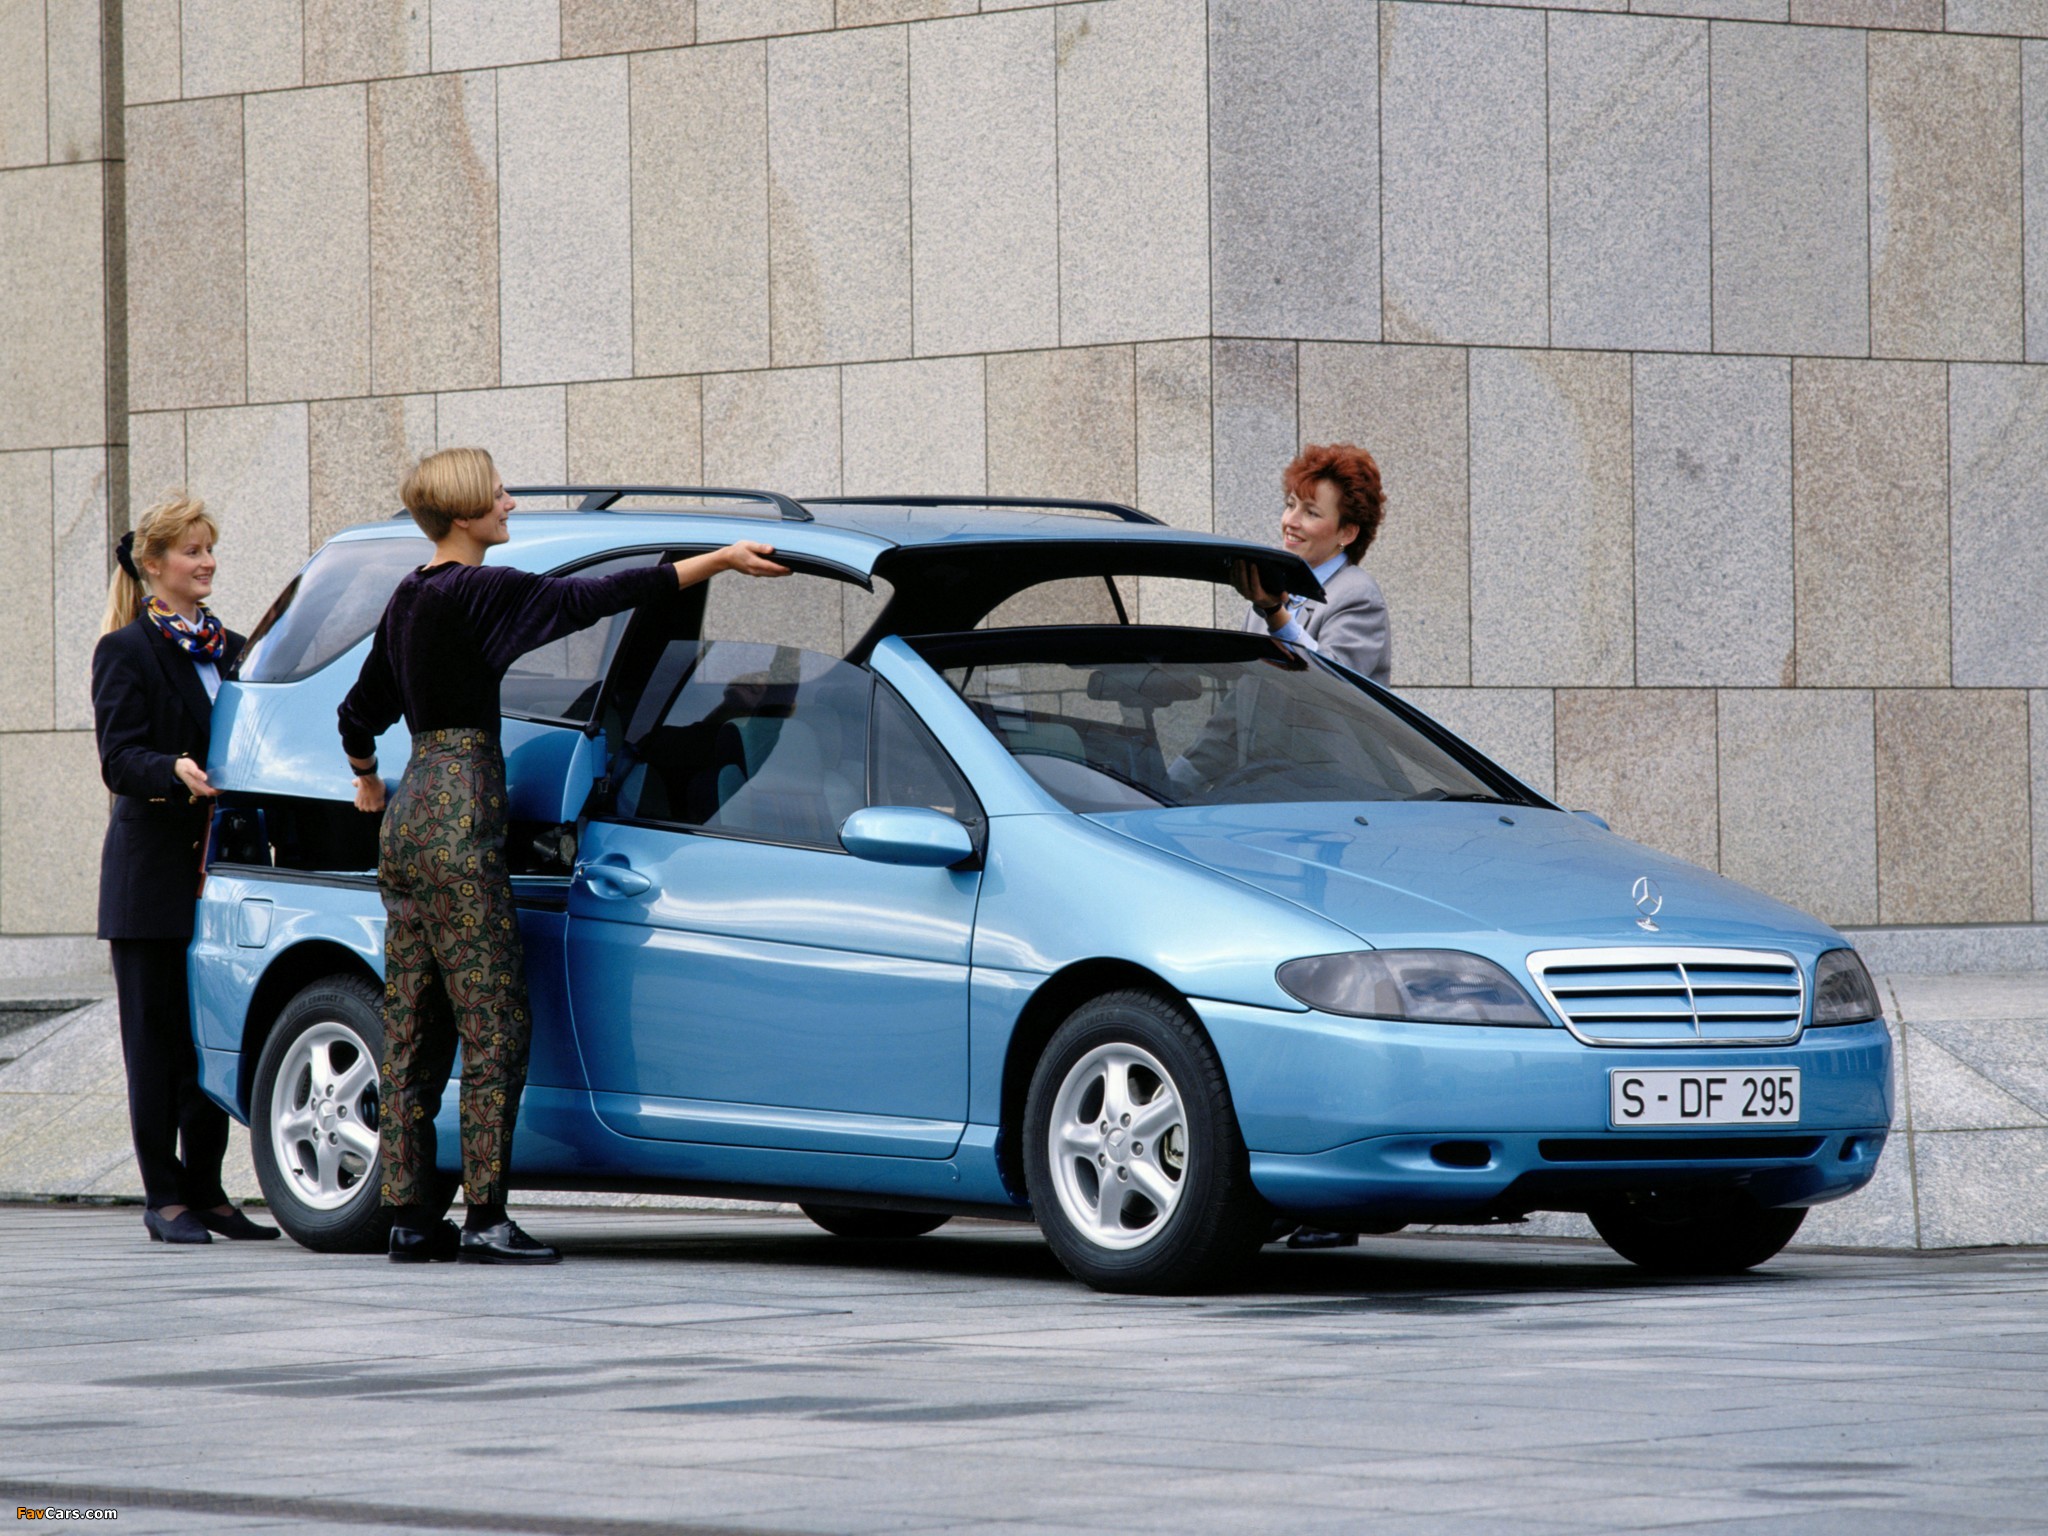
(155, 671)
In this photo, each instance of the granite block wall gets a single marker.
(1701, 341)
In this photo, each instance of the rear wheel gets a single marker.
(1132, 1156)
(1695, 1236)
(313, 1119)
(867, 1225)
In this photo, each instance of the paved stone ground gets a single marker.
(702, 1372)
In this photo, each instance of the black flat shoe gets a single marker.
(505, 1244)
(181, 1228)
(232, 1224)
(437, 1245)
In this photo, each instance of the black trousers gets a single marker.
(165, 1104)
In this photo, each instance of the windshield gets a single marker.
(1116, 720)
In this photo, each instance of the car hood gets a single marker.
(1468, 875)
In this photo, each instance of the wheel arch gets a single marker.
(290, 973)
(1057, 997)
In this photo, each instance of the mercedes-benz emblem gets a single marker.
(1649, 901)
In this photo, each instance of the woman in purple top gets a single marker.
(452, 963)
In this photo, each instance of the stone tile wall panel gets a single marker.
(186, 314)
(839, 197)
(1062, 423)
(1981, 1187)
(483, 34)
(1791, 217)
(524, 430)
(1256, 433)
(78, 103)
(1729, 10)
(1134, 186)
(1288, 261)
(914, 427)
(619, 26)
(1552, 578)
(26, 532)
(1175, 466)
(1630, 231)
(83, 559)
(868, 13)
(1406, 407)
(1644, 759)
(1893, 15)
(1799, 798)
(637, 432)
(231, 46)
(779, 430)
(53, 378)
(1998, 525)
(2034, 194)
(1516, 727)
(358, 452)
(307, 207)
(1945, 197)
(720, 21)
(1713, 525)
(24, 85)
(984, 184)
(2016, 18)
(1870, 523)
(434, 233)
(53, 816)
(249, 465)
(565, 222)
(700, 209)
(1952, 812)
(156, 459)
(365, 39)
(2037, 736)
(1463, 143)
(150, 47)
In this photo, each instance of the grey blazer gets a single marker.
(1349, 626)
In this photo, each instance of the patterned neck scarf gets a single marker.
(205, 640)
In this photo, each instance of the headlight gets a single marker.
(1843, 992)
(1435, 986)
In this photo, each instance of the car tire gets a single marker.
(1182, 1215)
(867, 1225)
(1696, 1237)
(313, 1119)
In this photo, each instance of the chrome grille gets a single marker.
(1669, 997)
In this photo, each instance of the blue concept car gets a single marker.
(924, 882)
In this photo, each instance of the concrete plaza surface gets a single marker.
(717, 1371)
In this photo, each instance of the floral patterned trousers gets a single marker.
(453, 967)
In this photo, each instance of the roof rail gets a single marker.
(600, 498)
(1116, 509)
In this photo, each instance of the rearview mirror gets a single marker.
(906, 834)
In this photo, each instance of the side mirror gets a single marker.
(906, 834)
(1596, 818)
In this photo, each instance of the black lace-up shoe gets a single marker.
(438, 1244)
(505, 1244)
(181, 1228)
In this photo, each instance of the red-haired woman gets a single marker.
(1333, 510)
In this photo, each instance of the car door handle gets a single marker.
(612, 877)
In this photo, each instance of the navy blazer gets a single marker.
(149, 708)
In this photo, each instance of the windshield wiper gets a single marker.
(1477, 798)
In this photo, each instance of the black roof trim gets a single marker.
(1116, 509)
(601, 498)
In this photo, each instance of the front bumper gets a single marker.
(1399, 1122)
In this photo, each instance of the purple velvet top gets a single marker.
(450, 632)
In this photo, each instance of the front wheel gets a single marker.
(1132, 1156)
(1695, 1237)
(313, 1118)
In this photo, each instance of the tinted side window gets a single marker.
(560, 681)
(331, 605)
(758, 741)
(909, 767)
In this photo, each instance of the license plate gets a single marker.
(1742, 1096)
